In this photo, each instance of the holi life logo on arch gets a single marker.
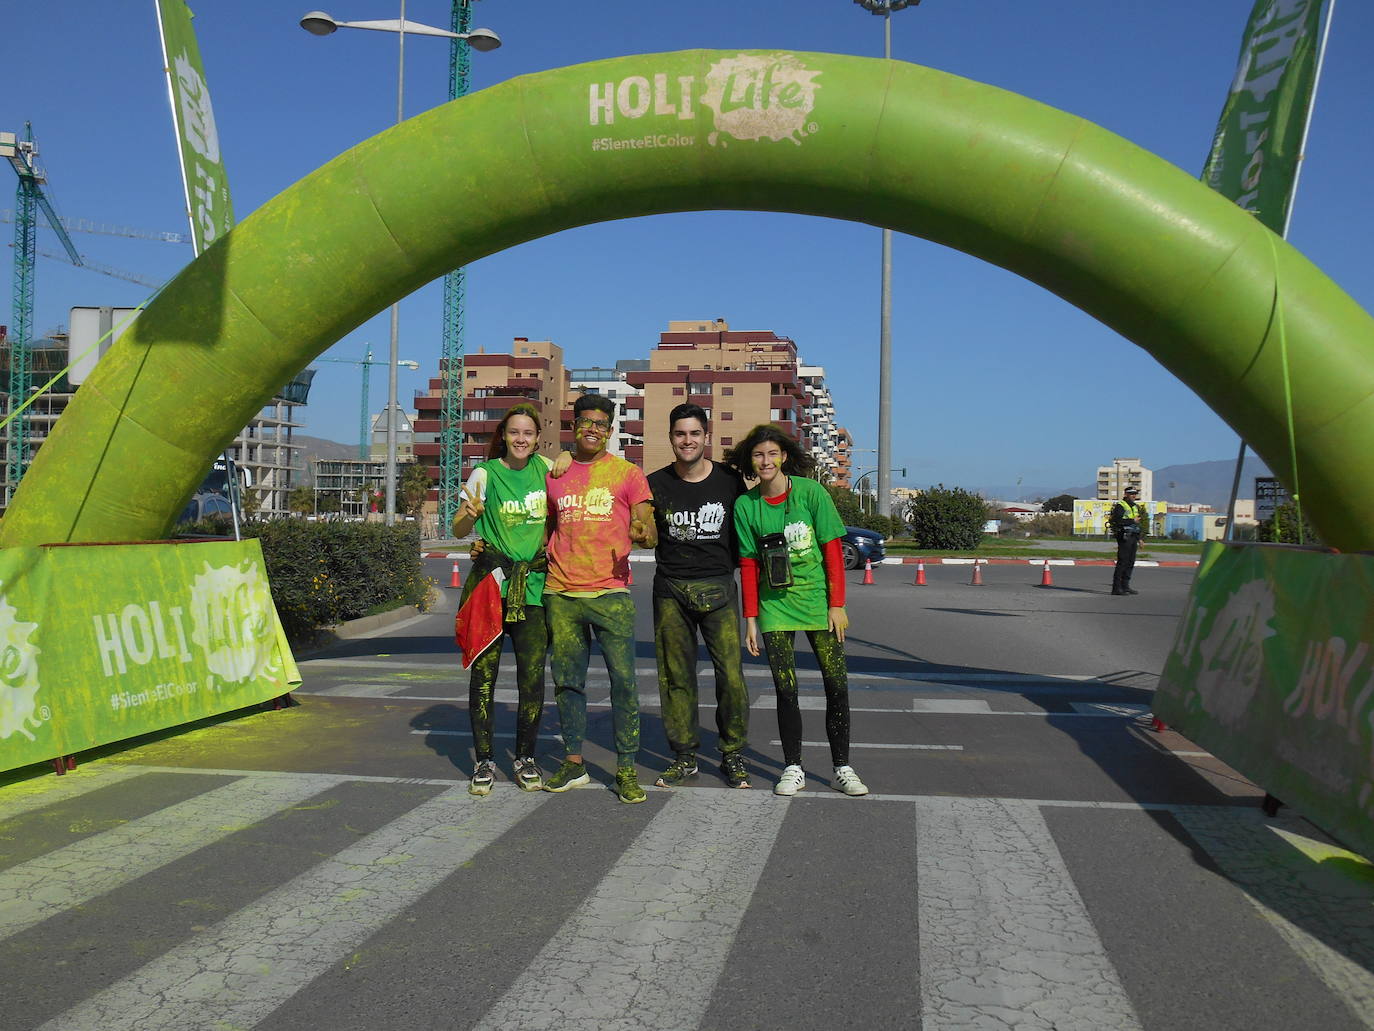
(751, 97)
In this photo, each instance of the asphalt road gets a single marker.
(1033, 855)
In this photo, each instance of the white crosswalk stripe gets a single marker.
(40, 792)
(659, 925)
(1003, 936)
(246, 966)
(70, 876)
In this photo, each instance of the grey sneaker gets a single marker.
(680, 769)
(569, 775)
(732, 768)
(527, 775)
(627, 786)
(483, 777)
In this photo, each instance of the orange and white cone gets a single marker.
(1046, 580)
(454, 581)
(920, 573)
(977, 580)
(868, 571)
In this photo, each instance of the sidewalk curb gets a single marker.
(327, 637)
(911, 560)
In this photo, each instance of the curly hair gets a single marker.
(497, 447)
(795, 461)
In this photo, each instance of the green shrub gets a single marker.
(328, 572)
(947, 519)
(1282, 527)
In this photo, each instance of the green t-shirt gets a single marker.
(513, 520)
(807, 519)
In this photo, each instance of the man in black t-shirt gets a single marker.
(694, 589)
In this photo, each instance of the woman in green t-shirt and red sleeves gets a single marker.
(792, 578)
(505, 500)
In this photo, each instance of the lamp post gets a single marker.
(869, 472)
(319, 23)
(884, 9)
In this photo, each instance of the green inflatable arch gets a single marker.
(1105, 225)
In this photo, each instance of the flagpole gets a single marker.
(1287, 219)
(1307, 118)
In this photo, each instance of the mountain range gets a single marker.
(1207, 483)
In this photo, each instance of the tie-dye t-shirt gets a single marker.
(592, 503)
(513, 516)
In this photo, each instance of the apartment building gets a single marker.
(1112, 480)
(740, 377)
(533, 372)
(612, 383)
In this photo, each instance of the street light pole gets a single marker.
(320, 24)
(885, 9)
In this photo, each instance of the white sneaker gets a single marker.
(793, 779)
(848, 781)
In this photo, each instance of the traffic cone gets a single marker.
(629, 574)
(455, 582)
(868, 572)
(920, 573)
(1046, 580)
(977, 580)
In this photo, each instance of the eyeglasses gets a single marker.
(596, 424)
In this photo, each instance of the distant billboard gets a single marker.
(1090, 516)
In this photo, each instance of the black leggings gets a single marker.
(779, 644)
(530, 639)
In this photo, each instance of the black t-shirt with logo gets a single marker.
(696, 526)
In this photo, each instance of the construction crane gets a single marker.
(366, 364)
(453, 358)
(85, 225)
(29, 200)
(95, 266)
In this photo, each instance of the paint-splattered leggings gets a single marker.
(529, 638)
(830, 658)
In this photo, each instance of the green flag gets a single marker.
(202, 170)
(1258, 142)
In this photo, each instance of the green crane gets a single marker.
(366, 364)
(29, 200)
(452, 359)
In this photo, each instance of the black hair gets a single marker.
(597, 402)
(689, 411)
(497, 447)
(795, 461)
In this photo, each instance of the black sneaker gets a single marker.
(679, 770)
(732, 768)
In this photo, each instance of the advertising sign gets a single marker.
(1090, 516)
(202, 169)
(1272, 671)
(171, 634)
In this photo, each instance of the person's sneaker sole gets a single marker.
(479, 789)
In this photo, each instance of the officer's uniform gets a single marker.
(1128, 522)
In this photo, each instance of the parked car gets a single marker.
(858, 545)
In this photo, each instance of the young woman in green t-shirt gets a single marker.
(792, 578)
(505, 500)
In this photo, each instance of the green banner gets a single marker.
(202, 171)
(1273, 672)
(1258, 142)
(103, 643)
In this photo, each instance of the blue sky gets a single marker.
(994, 379)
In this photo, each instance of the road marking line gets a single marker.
(26, 795)
(866, 744)
(499, 733)
(244, 967)
(656, 931)
(1002, 928)
(79, 872)
(1252, 852)
(962, 706)
(1110, 708)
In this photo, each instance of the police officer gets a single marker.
(1127, 522)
